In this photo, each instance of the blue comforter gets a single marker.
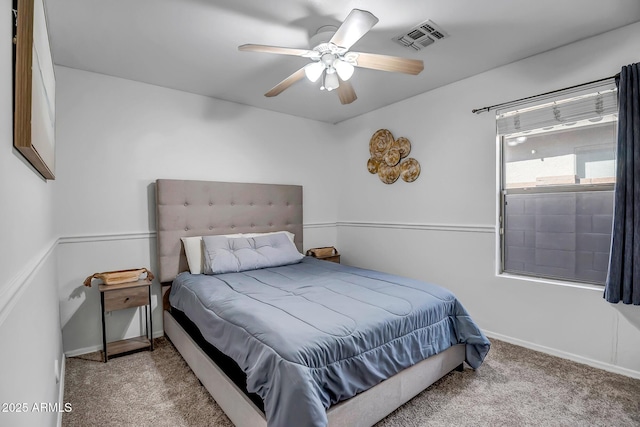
(309, 335)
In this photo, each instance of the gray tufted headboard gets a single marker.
(198, 208)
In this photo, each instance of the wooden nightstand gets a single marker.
(332, 258)
(118, 297)
(326, 254)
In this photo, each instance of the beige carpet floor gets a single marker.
(514, 387)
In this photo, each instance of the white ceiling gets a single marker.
(191, 45)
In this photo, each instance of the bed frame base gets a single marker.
(362, 410)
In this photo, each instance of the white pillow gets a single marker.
(193, 249)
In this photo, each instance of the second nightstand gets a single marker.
(118, 297)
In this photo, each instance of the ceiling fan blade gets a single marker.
(388, 63)
(286, 83)
(356, 25)
(276, 49)
(346, 94)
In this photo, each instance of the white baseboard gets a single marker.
(61, 389)
(565, 355)
(81, 351)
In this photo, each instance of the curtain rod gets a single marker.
(493, 107)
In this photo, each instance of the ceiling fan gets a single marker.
(332, 60)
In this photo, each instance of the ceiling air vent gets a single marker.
(421, 36)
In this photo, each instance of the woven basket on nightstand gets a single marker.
(328, 253)
(120, 276)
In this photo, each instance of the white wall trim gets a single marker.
(135, 235)
(320, 225)
(425, 226)
(12, 292)
(565, 355)
(554, 282)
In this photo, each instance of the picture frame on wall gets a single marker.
(35, 88)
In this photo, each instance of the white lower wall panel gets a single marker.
(32, 350)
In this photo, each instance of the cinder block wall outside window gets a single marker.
(563, 235)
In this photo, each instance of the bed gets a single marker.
(306, 343)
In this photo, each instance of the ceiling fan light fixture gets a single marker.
(344, 69)
(331, 80)
(328, 59)
(314, 70)
(332, 60)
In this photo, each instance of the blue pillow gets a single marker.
(228, 255)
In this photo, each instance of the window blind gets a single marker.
(596, 104)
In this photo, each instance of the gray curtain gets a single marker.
(623, 278)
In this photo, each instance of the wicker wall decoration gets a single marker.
(389, 158)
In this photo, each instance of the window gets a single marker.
(557, 177)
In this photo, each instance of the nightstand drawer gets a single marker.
(125, 298)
